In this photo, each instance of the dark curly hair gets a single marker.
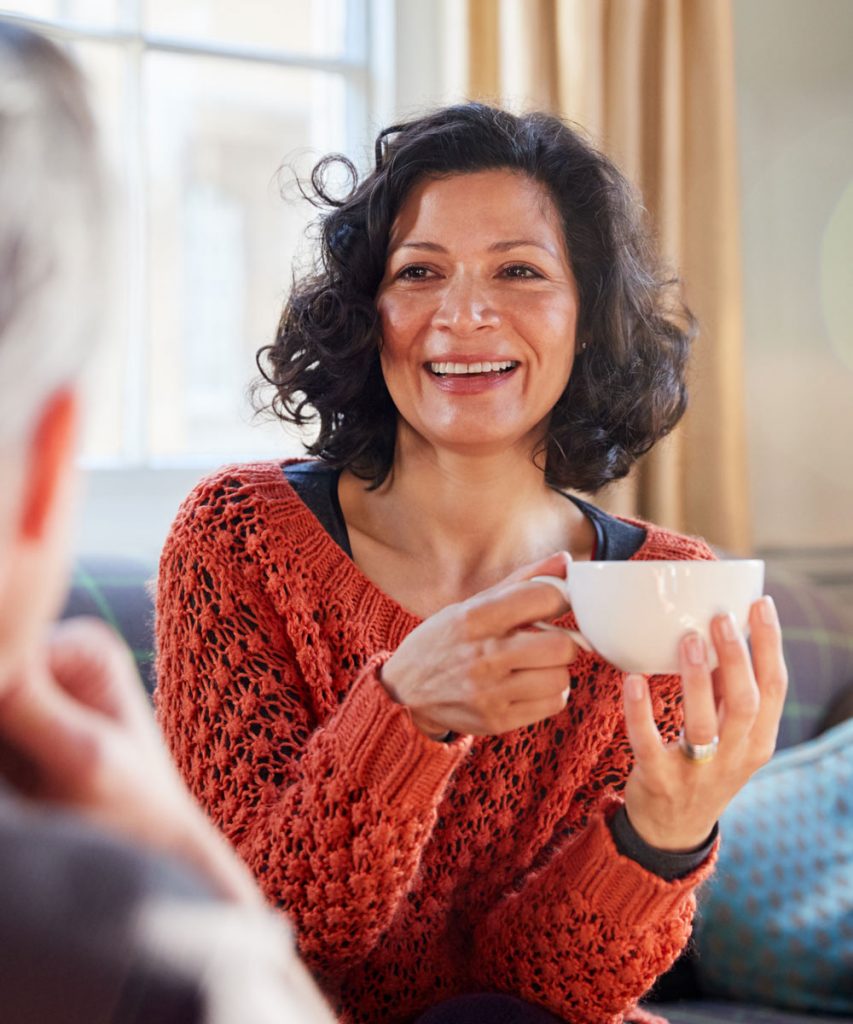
(627, 388)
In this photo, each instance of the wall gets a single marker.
(795, 109)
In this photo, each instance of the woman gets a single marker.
(444, 800)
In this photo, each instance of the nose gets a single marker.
(465, 306)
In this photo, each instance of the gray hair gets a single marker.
(52, 225)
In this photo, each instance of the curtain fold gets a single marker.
(652, 82)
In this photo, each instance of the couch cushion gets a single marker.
(818, 644)
(722, 1012)
(775, 923)
(118, 590)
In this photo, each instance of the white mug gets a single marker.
(634, 613)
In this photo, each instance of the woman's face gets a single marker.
(478, 308)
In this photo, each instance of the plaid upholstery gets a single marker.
(707, 1012)
(818, 652)
(118, 590)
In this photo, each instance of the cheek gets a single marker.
(401, 323)
(551, 330)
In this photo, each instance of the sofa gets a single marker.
(732, 971)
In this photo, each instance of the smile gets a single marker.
(468, 369)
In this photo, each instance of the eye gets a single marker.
(521, 271)
(413, 272)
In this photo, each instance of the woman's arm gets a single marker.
(330, 806)
(588, 934)
(605, 927)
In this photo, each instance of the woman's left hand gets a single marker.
(672, 800)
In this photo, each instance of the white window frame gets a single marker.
(130, 502)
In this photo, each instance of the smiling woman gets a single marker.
(627, 389)
(443, 799)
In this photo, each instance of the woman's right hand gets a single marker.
(475, 667)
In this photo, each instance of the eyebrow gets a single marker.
(505, 246)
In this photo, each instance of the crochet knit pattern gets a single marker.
(412, 870)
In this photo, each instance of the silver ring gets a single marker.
(698, 753)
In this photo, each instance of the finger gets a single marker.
(646, 741)
(534, 685)
(498, 612)
(94, 667)
(487, 708)
(506, 717)
(528, 712)
(701, 723)
(536, 649)
(49, 728)
(770, 673)
(735, 682)
(554, 565)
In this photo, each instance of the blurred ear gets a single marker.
(51, 454)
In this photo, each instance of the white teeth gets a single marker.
(464, 368)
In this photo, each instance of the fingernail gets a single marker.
(728, 628)
(694, 646)
(566, 694)
(635, 687)
(767, 611)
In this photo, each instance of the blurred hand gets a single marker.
(76, 730)
(672, 802)
(474, 668)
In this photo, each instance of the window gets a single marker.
(207, 108)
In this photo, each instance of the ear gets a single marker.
(52, 448)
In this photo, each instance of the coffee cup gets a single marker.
(634, 613)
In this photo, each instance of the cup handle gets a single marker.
(560, 584)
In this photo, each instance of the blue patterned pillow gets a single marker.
(775, 924)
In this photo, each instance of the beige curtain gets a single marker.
(653, 82)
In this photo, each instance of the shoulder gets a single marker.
(127, 934)
(238, 505)
(245, 521)
(56, 870)
(667, 545)
(227, 488)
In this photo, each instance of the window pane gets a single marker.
(316, 27)
(221, 238)
(99, 13)
(105, 67)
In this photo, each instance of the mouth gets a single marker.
(471, 369)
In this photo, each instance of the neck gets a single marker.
(466, 520)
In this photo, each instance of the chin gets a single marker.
(485, 447)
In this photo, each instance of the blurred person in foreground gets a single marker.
(463, 817)
(120, 902)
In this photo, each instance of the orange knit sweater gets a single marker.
(412, 870)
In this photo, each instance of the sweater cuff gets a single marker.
(385, 751)
(622, 888)
(665, 863)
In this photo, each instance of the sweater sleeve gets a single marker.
(330, 806)
(588, 934)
